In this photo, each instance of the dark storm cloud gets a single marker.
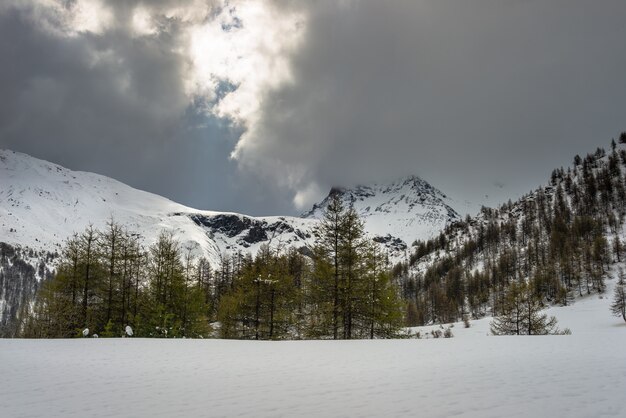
(467, 94)
(116, 104)
(96, 93)
(478, 97)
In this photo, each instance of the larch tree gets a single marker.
(329, 235)
(618, 306)
(353, 248)
(522, 314)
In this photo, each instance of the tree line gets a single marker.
(108, 279)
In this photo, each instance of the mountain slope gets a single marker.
(560, 239)
(42, 204)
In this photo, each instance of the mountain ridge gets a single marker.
(43, 203)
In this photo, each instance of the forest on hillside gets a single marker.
(107, 281)
(560, 240)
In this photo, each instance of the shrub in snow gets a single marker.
(448, 333)
(109, 330)
(436, 333)
(618, 307)
(408, 334)
(466, 322)
(95, 336)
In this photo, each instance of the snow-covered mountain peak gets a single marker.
(408, 208)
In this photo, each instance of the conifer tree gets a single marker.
(510, 321)
(522, 314)
(382, 312)
(88, 243)
(352, 253)
(111, 245)
(329, 234)
(618, 307)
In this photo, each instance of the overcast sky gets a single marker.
(260, 106)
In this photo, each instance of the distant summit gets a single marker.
(406, 209)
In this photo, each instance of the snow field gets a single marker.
(470, 375)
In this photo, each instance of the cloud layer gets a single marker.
(466, 94)
(261, 106)
(155, 93)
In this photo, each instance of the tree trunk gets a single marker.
(272, 314)
(336, 290)
(256, 321)
(86, 286)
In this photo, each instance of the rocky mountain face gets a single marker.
(42, 204)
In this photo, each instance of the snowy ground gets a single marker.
(473, 375)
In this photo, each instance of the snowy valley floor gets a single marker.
(472, 374)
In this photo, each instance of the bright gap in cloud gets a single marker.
(247, 45)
